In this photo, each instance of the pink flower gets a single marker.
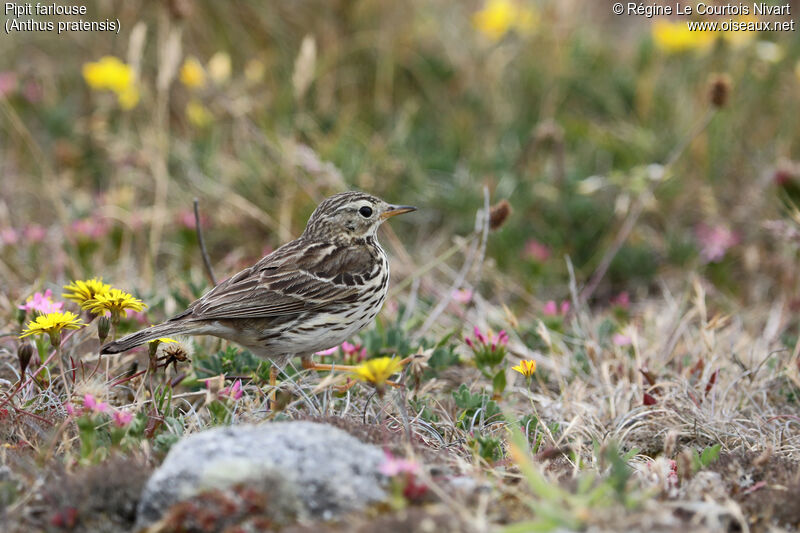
(91, 228)
(392, 466)
(348, 348)
(42, 303)
(486, 340)
(354, 351)
(536, 251)
(502, 338)
(34, 233)
(715, 241)
(233, 392)
(551, 308)
(8, 83)
(462, 296)
(9, 236)
(622, 300)
(138, 316)
(89, 402)
(186, 219)
(329, 351)
(122, 418)
(70, 409)
(621, 340)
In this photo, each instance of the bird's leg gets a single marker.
(346, 387)
(308, 364)
(273, 383)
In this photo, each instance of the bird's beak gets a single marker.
(394, 210)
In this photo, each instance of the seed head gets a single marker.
(719, 90)
(498, 214)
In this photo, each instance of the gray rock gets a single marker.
(324, 470)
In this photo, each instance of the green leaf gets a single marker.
(709, 455)
(463, 398)
(499, 381)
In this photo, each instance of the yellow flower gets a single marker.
(378, 370)
(198, 114)
(498, 17)
(164, 340)
(108, 73)
(115, 301)
(52, 324)
(525, 367)
(81, 291)
(675, 37)
(112, 74)
(192, 73)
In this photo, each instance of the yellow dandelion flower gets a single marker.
(498, 17)
(675, 37)
(525, 367)
(81, 291)
(114, 301)
(198, 114)
(108, 73)
(192, 73)
(495, 19)
(112, 74)
(52, 324)
(378, 370)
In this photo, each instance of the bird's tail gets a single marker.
(140, 337)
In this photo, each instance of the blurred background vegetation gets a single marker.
(581, 119)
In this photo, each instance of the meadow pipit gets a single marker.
(308, 295)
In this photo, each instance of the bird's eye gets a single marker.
(365, 211)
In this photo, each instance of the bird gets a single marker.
(309, 295)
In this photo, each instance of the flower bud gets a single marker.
(24, 354)
(103, 327)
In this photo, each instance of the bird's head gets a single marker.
(350, 216)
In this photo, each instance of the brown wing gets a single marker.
(295, 278)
